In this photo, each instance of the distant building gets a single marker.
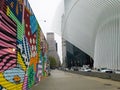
(52, 50)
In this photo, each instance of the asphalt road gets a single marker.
(60, 80)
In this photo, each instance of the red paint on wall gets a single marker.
(31, 37)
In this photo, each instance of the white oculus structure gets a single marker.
(94, 27)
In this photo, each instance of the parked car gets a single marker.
(117, 71)
(87, 70)
(74, 68)
(105, 70)
(66, 69)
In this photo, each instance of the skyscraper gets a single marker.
(52, 50)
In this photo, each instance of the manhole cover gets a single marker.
(107, 84)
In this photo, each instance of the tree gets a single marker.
(53, 63)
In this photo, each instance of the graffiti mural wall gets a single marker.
(23, 48)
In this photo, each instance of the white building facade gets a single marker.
(94, 27)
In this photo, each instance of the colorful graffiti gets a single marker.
(23, 46)
(31, 76)
(15, 75)
(7, 43)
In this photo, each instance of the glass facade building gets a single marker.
(76, 57)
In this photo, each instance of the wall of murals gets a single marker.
(23, 46)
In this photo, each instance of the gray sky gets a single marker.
(51, 11)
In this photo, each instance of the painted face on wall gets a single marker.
(15, 75)
(16, 79)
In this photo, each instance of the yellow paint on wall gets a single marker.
(8, 85)
(20, 61)
(8, 11)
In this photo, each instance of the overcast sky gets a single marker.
(48, 14)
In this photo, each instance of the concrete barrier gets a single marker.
(113, 76)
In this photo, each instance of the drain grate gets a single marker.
(107, 84)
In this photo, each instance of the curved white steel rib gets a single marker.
(83, 18)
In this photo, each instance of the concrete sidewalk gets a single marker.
(60, 80)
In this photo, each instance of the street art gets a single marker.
(23, 46)
(2, 88)
(15, 75)
(31, 76)
(7, 43)
(25, 83)
(16, 7)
